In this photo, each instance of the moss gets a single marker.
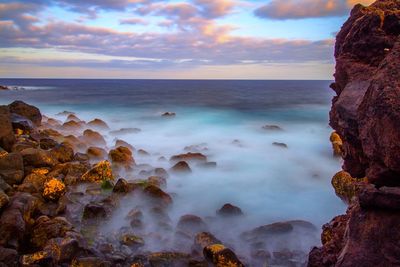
(107, 185)
(346, 187)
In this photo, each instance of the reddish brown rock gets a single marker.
(198, 157)
(98, 124)
(25, 110)
(228, 210)
(96, 153)
(121, 157)
(7, 138)
(181, 167)
(93, 138)
(366, 110)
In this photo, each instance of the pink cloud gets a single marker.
(133, 21)
(299, 9)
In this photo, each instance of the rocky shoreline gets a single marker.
(366, 116)
(61, 183)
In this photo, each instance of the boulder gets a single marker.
(191, 224)
(121, 157)
(181, 167)
(272, 128)
(100, 172)
(98, 124)
(12, 168)
(53, 189)
(220, 256)
(73, 117)
(204, 239)
(22, 125)
(122, 186)
(157, 195)
(63, 152)
(47, 143)
(229, 210)
(27, 111)
(96, 153)
(33, 183)
(4, 200)
(8, 257)
(72, 125)
(94, 211)
(120, 142)
(38, 158)
(46, 228)
(189, 157)
(7, 138)
(93, 138)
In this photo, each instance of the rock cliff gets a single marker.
(366, 115)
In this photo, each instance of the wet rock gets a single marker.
(181, 167)
(53, 189)
(168, 114)
(7, 138)
(63, 249)
(158, 195)
(229, 210)
(121, 157)
(337, 144)
(96, 153)
(72, 126)
(22, 125)
(72, 117)
(16, 218)
(120, 142)
(282, 145)
(124, 131)
(265, 231)
(132, 240)
(122, 186)
(100, 172)
(12, 168)
(188, 157)
(98, 124)
(38, 158)
(346, 187)
(47, 143)
(8, 257)
(63, 152)
(25, 110)
(70, 172)
(220, 256)
(387, 198)
(161, 172)
(82, 157)
(46, 228)
(204, 239)
(272, 128)
(191, 224)
(93, 138)
(143, 152)
(93, 211)
(4, 200)
(33, 183)
(91, 262)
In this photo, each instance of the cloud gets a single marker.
(133, 21)
(300, 9)
(215, 8)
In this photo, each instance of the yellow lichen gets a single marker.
(346, 187)
(42, 171)
(216, 248)
(337, 144)
(34, 258)
(100, 172)
(53, 189)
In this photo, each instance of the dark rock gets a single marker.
(21, 125)
(123, 131)
(181, 167)
(120, 142)
(268, 230)
(46, 228)
(272, 128)
(191, 224)
(228, 210)
(158, 195)
(387, 198)
(38, 158)
(82, 157)
(93, 138)
(25, 110)
(92, 262)
(204, 239)
(4, 200)
(12, 168)
(63, 152)
(7, 138)
(282, 145)
(143, 152)
(8, 257)
(96, 153)
(98, 124)
(121, 157)
(122, 186)
(197, 157)
(168, 114)
(93, 210)
(47, 143)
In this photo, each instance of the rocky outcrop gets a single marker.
(366, 116)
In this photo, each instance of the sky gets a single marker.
(176, 39)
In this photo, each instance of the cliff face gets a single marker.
(366, 110)
(366, 114)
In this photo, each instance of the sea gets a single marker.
(224, 120)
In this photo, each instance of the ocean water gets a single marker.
(224, 120)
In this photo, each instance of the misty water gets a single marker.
(223, 120)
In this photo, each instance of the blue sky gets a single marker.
(186, 39)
